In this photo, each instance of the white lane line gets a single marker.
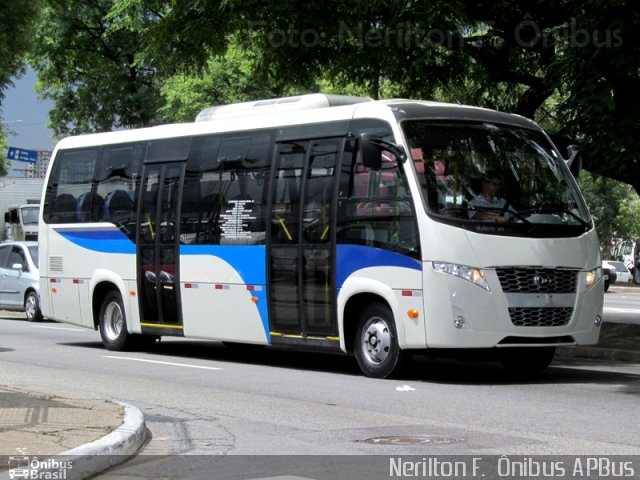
(162, 363)
(59, 328)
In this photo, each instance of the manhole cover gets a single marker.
(412, 440)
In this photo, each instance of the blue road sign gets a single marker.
(21, 155)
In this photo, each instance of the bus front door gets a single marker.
(302, 245)
(158, 249)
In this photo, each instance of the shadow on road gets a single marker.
(482, 371)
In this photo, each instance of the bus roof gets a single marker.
(306, 109)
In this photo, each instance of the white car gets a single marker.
(19, 282)
(623, 275)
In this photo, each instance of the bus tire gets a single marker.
(376, 343)
(32, 307)
(528, 360)
(113, 323)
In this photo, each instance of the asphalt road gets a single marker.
(201, 398)
(622, 304)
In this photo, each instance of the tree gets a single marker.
(572, 64)
(615, 208)
(229, 78)
(17, 21)
(3, 159)
(92, 72)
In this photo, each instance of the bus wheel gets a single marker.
(113, 323)
(32, 307)
(528, 360)
(376, 343)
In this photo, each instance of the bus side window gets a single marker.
(376, 209)
(116, 185)
(71, 178)
(225, 189)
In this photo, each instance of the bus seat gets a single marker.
(118, 206)
(89, 207)
(63, 209)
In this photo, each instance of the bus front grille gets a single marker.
(540, 316)
(537, 280)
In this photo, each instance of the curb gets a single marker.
(106, 452)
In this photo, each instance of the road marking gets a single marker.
(162, 363)
(59, 328)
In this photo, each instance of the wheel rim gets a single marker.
(113, 321)
(375, 341)
(30, 307)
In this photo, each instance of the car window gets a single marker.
(33, 250)
(17, 256)
(4, 256)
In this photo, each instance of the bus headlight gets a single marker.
(473, 275)
(593, 276)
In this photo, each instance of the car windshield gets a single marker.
(34, 254)
(473, 172)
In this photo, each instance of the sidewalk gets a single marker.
(90, 435)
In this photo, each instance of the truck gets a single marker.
(20, 206)
(21, 222)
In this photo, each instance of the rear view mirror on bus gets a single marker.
(372, 148)
(371, 153)
(574, 162)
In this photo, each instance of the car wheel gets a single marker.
(32, 307)
(113, 323)
(376, 343)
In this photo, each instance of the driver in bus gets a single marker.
(487, 206)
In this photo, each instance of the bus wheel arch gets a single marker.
(112, 323)
(371, 335)
(100, 291)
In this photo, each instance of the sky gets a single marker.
(25, 117)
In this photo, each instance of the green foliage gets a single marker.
(615, 208)
(3, 156)
(226, 79)
(91, 71)
(17, 21)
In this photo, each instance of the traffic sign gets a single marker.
(22, 155)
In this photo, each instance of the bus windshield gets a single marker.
(488, 174)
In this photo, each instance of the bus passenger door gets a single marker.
(302, 242)
(158, 249)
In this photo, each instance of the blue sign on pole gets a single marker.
(22, 155)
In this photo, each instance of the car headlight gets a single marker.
(471, 274)
(593, 276)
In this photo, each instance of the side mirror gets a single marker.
(574, 162)
(17, 266)
(7, 217)
(371, 153)
(371, 148)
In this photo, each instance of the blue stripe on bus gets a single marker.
(105, 241)
(249, 261)
(351, 258)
